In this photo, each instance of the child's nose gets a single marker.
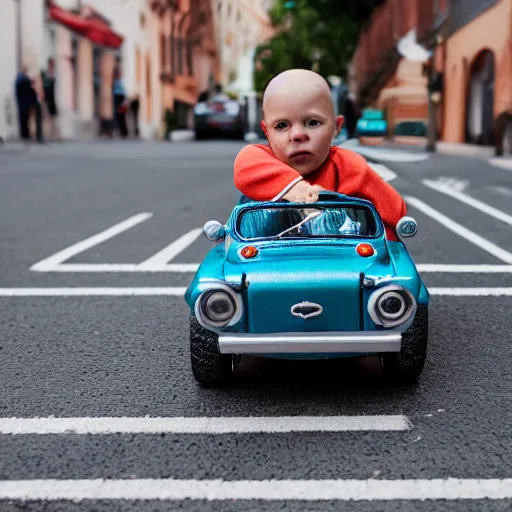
(298, 133)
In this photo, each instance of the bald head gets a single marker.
(301, 84)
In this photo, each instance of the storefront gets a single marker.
(85, 54)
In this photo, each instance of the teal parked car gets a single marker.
(372, 123)
(307, 281)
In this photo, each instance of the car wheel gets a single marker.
(209, 367)
(200, 135)
(406, 366)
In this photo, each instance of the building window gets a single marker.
(180, 56)
(190, 58)
(163, 56)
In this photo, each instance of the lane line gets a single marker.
(203, 425)
(275, 490)
(484, 269)
(183, 268)
(48, 264)
(460, 230)
(464, 198)
(171, 251)
(89, 292)
(472, 292)
(384, 172)
(123, 267)
(179, 291)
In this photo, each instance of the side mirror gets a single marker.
(214, 230)
(406, 227)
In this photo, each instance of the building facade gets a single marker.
(188, 55)
(471, 83)
(241, 25)
(164, 51)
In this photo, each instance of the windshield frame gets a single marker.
(307, 238)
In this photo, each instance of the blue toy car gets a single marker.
(315, 280)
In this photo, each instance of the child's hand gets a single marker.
(303, 192)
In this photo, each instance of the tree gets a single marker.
(312, 34)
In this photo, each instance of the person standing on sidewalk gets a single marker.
(120, 103)
(28, 102)
(48, 78)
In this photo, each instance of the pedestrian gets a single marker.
(134, 109)
(49, 79)
(28, 104)
(120, 103)
(299, 161)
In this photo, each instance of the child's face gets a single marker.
(300, 125)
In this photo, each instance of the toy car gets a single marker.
(315, 280)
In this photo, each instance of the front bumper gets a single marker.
(310, 343)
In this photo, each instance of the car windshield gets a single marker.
(307, 222)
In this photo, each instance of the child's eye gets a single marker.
(314, 122)
(281, 125)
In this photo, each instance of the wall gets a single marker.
(8, 65)
(491, 30)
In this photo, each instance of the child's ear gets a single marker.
(339, 120)
(264, 128)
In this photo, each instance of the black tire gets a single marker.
(405, 367)
(209, 367)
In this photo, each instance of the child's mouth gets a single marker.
(300, 154)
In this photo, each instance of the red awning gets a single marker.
(97, 33)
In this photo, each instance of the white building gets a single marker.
(241, 25)
(86, 38)
(9, 69)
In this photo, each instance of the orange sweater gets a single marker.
(261, 176)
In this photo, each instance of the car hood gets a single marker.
(296, 260)
(281, 278)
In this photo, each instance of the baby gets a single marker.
(299, 123)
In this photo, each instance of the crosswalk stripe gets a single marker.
(178, 291)
(470, 201)
(171, 251)
(49, 263)
(275, 490)
(463, 232)
(203, 425)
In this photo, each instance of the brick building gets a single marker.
(472, 60)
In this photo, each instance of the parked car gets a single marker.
(289, 280)
(220, 116)
(372, 123)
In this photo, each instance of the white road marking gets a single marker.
(383, 154)
(171, 251)
(124, 267)
(460, 230)
(90, 292)
(180, 291)
(275, 490)
(184, 268)
(384, 172)
(502, 163)
(202, 425)
(48, 264)
(475, 203)
(471, 292)
(476, 269)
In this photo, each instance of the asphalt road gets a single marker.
(114, 356)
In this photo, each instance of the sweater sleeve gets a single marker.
(365, 183)
(260, 175)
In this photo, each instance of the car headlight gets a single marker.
(219, 306)
(391, 306)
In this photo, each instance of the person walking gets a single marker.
(120, 103)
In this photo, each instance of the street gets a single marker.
(97, 244)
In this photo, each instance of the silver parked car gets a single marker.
(219, 116)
